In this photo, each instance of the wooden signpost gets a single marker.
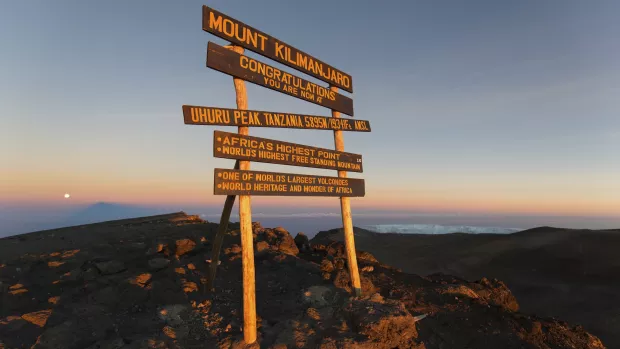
(244, 148)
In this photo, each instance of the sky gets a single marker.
(478, 106)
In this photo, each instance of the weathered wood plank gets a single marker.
(235, 182)
(242, 34)
(235, 146)
(195, 115)
(262, 74)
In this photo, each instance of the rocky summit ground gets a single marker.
(140, 284)
(570, 274)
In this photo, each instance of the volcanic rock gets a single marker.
(303, 299)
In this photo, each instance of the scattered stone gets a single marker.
(74, 274)
(459, 290)
(313, 314)
(366, 256)
(262, 246)
(38, 318)
(368, 269)
(280, 230)
(189, 286)
(495, 292)
(111, 267)
(142, 280)
(75, 333)
(90, 274)
(234, 249)
(302, 242)
(339, 263)
(169, 331)
(343, 281)
(327, 266)
(157, 248)
(158, 263)
(376, 298)
(319, 296)
(18, 291)
(173, 314)
(389, 323)
(12, 324)
(287, 246)
(184, 246)
(16, 287)
(53, 300)
(278, 239)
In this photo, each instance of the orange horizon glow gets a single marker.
(474, 198)
(548, 208)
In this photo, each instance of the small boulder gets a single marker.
(279, 239)
(339, 263)
(110, 267)
(262, 246)
(158, 263)
(174, 314)
(368, 269)
(366, 256)
(155, 249)
(495, 292)
(389, 323)
(184, 246)
(327, 266)
(319, 296)
(302, 242)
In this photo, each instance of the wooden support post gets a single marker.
(219, 238)
(245, 222)
(345, 209)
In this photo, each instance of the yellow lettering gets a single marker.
(215, 23)
(229, 27)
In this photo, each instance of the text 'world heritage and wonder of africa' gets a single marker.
(236, 182)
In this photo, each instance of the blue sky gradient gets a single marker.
(482, 106)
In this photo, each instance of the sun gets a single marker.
(67, 196)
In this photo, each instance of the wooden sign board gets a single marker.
(195, 115)
(243, 35)
(235, 146)
(249, 69)
(235, 182)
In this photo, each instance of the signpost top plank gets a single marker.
(253, 39)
